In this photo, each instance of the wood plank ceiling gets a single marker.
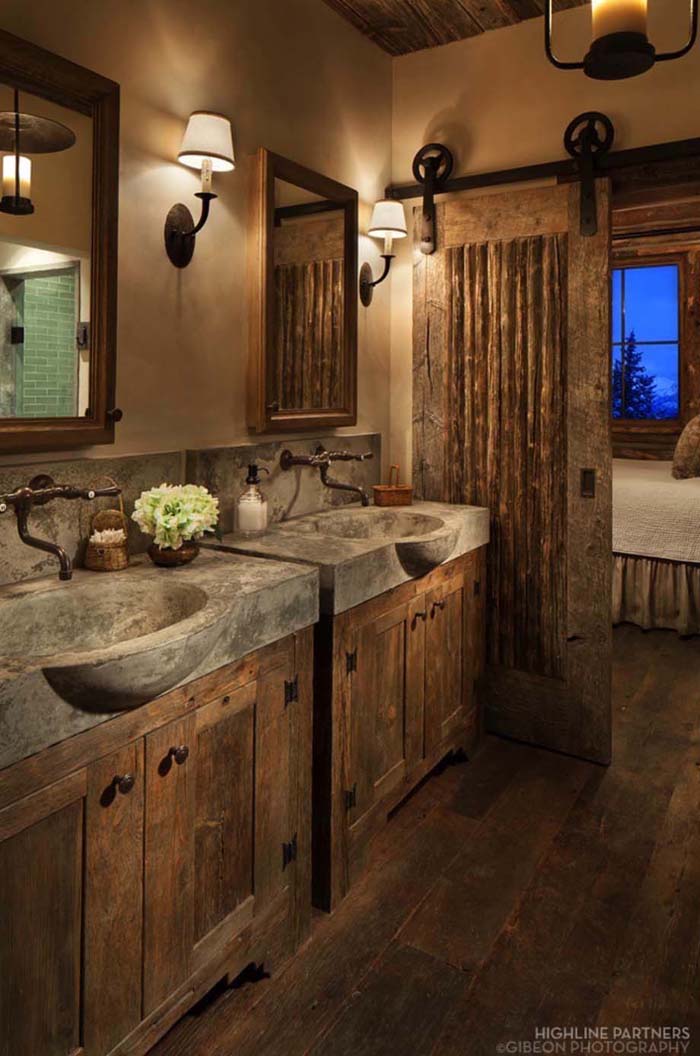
(401, 26)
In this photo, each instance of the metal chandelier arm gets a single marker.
(548, 40)
(664, 56)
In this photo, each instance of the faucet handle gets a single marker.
(347, 456)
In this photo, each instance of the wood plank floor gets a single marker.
(523, 889)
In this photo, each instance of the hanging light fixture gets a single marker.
(620, 46)
(22, 134)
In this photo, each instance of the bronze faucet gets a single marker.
(322, 460)
(38, 492)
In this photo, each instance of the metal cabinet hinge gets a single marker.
(351, 797)
(291, 691)
(351, 661)
(477, 588)
(289, 852)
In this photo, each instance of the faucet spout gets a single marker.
(65, 564)
(340, 485)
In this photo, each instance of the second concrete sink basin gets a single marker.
(372, 523)
(422, 541)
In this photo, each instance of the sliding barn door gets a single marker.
(511, 411)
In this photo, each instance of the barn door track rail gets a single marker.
(590, 157)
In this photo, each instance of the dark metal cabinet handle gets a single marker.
(179, 754)
(438, 605)
(124, 783)
(419, 616)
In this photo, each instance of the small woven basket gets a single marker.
(393, 494)
(108, 557)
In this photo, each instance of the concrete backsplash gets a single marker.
(221, 469)
(289, 494)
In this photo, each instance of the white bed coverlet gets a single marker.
(653, 514)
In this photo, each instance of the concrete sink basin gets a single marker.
(105, 644)
(422, 541)
(361, 552)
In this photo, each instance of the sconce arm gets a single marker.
(206, 198)
(548, 42)
(387, 258)
(367, 280)
(664, 56)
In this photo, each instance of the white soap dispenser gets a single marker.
(252, 505)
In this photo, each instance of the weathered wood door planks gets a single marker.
(511, 402)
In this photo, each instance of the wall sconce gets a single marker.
(620, 46)
(388, 222)
(33, 135)
(207, 145)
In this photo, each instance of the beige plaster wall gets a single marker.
(497, 103)
(292, 76)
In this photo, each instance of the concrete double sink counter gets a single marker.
(72, 655)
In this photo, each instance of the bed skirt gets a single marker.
(656, 594)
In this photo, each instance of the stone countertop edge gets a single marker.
(352, 571)
(34, 717)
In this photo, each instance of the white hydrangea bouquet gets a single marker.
(177, 516)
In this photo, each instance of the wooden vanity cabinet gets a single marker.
(176, 851)
(395, 693)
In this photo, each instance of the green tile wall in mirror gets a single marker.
(59, 145)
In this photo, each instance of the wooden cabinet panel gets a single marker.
(223, 873)
(175, 851)
(386, 704)
(113, 898)
(395, 693)
(40, 933)
(446, 688)
(273, 818)
(169, 860)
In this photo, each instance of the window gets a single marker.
(646, 342)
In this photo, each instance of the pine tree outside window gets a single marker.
(646, 343)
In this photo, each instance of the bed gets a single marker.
(656, 547)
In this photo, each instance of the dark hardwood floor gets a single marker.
(521, 890)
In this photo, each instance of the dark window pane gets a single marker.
(616, 382)
(645, 381)
(617, 304)
(661, 362)
(651, 303)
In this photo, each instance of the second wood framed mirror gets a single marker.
(303, 321)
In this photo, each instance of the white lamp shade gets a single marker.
(207, 136)
(388, 220)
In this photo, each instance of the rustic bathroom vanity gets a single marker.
(399, 648)
(164, 846)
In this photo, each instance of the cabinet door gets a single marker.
(276, 839)
(41, 862)
(169, 859)
(113, 898)
(223, 849)
(386, 704)
(448, 689)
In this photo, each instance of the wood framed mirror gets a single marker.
(58, 251)
(303, 298)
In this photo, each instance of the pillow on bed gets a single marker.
(686, 457)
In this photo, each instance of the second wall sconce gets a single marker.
(206, 145)
(388, 222)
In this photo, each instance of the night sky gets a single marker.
(651, 310)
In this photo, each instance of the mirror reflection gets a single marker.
(308, 362)
(45, 240)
